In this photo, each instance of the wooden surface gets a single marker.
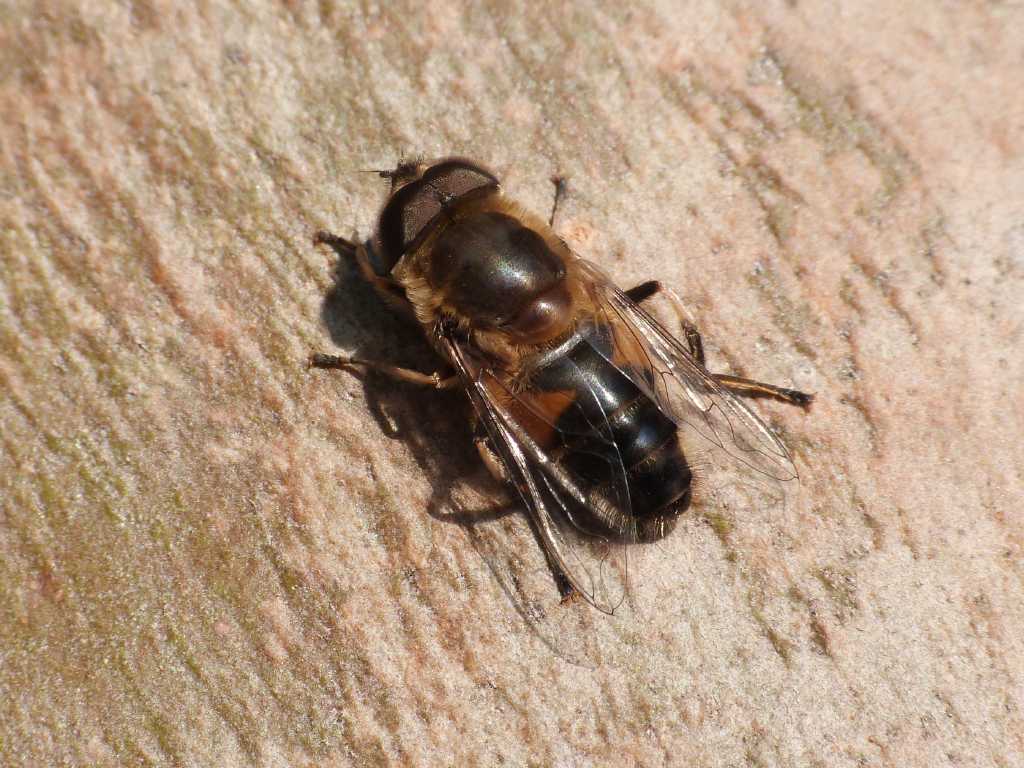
(212, 556)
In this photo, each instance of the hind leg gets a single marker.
(735, 384)
(751, 388)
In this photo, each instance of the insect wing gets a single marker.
(739, 462)
(596, 567)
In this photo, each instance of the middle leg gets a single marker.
(318, 360)
(345, 248)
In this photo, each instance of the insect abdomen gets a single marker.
(611, 428)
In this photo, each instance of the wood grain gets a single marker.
(212, 556)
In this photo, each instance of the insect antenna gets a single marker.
(406, 169)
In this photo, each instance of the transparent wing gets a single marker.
(740, 467)
(596, 566)
(739, 461)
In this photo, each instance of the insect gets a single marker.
(602, 420)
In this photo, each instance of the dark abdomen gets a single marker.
(613, 436)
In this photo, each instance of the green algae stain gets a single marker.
(781, 646)
(791, 318)
(722, 527)
(841, 588)
(833, 118)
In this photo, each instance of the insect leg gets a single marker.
(560, 186)
(490, 458)
(345, 248)
(735, 384)
(341, 245)
(566, 591)
(318, 360)
(751, 388)
(640, 293)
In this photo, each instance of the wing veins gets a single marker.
(514, 448)
(685, 371)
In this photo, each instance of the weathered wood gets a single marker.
(212, 556)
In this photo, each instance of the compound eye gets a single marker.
(413, 209)
(453, 179)
(417, 213)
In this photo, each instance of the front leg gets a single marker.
(390, 289)
(561, 184)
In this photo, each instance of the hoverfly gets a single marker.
(597, 415)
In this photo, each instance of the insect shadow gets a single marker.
(433, 424)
